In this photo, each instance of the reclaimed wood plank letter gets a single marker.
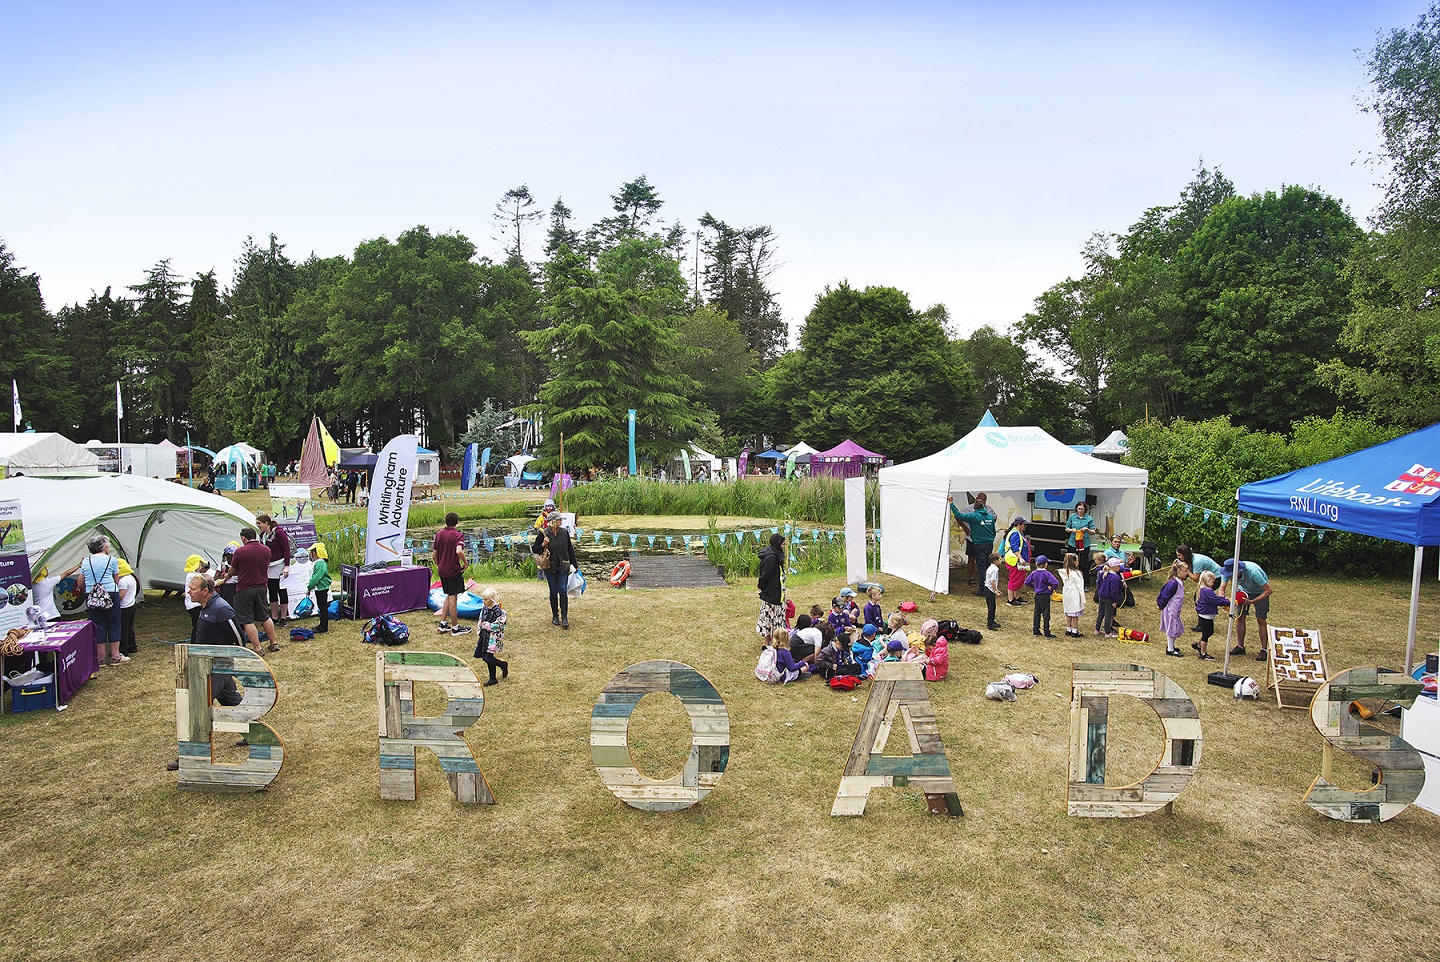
(709, 738)
(1402, 770)
(898, 689)
(401, 733)
(1090, 689)
(197, 720)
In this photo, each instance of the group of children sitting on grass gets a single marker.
(852, 641)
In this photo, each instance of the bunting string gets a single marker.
(1209, 515)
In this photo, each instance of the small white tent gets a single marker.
(45, 452)
(1115, 443)
(155, 525)
(1007, 464)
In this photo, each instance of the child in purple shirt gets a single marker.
(1043, 583)
(1207, 602)
(874, 614)
(839, 617)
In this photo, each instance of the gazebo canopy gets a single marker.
(847, 450)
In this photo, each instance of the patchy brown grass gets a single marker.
(109, 861)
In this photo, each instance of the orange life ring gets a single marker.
(620, 573)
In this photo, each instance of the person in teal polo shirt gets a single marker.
(1252, 580)
(982, 534)
(1080, 524)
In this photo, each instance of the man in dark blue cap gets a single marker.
(1252, 580)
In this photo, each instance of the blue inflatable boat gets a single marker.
(468, 603)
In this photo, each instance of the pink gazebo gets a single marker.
(845, 460)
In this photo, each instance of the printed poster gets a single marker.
(294, 510)
(14, 569)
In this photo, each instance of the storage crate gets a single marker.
(32, 697)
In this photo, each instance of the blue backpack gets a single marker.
(385, 630)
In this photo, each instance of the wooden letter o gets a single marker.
(709, 740)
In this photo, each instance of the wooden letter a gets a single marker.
(899, 689)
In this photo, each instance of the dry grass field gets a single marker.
(107, 860)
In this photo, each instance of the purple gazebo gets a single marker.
(845, 460)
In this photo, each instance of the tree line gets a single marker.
(1264, 308)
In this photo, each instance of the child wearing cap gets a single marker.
(839, 617)
(847, 595)
(836, 657)
(1110, 591)
(194, 565)
(320, 583)
(1043, 583)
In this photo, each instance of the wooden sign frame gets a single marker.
(1292, 655)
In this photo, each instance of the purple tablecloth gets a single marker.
(386, 591)
(73, 644)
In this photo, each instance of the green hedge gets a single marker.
(1206, 462)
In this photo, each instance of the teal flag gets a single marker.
(633, 468)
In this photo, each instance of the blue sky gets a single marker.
(960, 152)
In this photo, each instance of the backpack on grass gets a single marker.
(766, 669)
(385, 630)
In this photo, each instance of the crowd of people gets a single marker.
(848, 640)
(852, 640)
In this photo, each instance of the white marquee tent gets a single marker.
(1007, 464)
(45, 452)
(153, 524)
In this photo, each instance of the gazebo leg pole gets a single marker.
(1414, 608)
(1234, 580)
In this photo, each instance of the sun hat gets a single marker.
(192, 563)
(1042, 561)
(894, 646)
(869, 631)
(847, 592)
(549, 502)
(1114, 563)
(125, 569)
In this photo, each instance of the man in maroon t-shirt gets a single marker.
(450, 563)
(252, 606)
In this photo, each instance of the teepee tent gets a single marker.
(312, 458)
(153, 524)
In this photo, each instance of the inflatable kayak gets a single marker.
(468, 603)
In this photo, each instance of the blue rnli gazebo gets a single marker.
(1390, 491)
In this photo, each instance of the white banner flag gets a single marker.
(119, 405)
(15, 392)
(390, 484)
(855, 561)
